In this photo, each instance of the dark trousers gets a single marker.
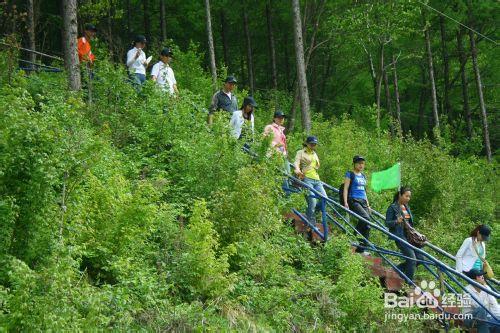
(409, 265)
(482, 327)
(360, 207)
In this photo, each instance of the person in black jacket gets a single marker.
(397, 213)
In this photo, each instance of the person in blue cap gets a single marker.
(224, 100)
(306, 168)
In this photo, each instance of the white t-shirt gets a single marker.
(136, 65)
(165, 77)
(237, 122)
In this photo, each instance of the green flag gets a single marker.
(387, 179)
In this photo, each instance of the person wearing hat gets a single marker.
(277, 130)
(83, 44)
(475, 310)
(473, 250)
(306, 168)
(355, 197)
(224, 99)
(242, 121)
(136, 61)
(163, 74)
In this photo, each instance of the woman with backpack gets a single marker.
(355, 198)
(397, 215)
(472, 253)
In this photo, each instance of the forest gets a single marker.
(122, 209)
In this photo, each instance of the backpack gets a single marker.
(341, 188)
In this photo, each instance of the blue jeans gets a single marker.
(408, 266)
(481, 326)
(311, 197)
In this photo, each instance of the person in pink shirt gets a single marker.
(277, 130)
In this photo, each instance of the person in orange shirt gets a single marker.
(84, 49)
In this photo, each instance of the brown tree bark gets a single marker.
(482, 106)
(446, 69)
(301, 69)
(163, 22)
(31, 31)
(388, 101)
(421, 103)
(70, 31)
(272, 50)
(399, 127)
(211, 52)
(379, 84)
(430, 68)
(251, 80)
(465, 84)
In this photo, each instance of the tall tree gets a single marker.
(430, 68)
(482, 106)
(399, 128)
(465, 84)
(446, 68)
(388, 101)
(272, 50)
(70, 32)
(301, 68)
(422, 102)
(31, 30)
(163, 23)
(211, 51)
(251, 79)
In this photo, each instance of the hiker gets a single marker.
(473, 250)
(137, 62)
(224, 99)
(306, 168)
(83, 44)
(278, 143)
(477, 311)
(163, 74)
(355, 199)
(242, 121)
(277, 129)
(397, 213)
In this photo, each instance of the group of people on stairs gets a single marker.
(470, 258)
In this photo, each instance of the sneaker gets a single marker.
(366, 253)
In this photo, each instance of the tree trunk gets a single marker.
(286, 60)
(388, 101)
(372, 74)
(465, 89)
(225, 46)
(163, 23)
(399, 127)
(446, 69)
(379, 84)
(301, 68)
(272, 51)
(326, 75)
(432, 81)
(31, 31)
(70, 31)
(211, 52)
(147, 20)
(421, 104)
(482, 106)
(249, 53)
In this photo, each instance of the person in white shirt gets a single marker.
(477, 311)
(136, 61)
(163, 74)
(242, 121)
(473, 250)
